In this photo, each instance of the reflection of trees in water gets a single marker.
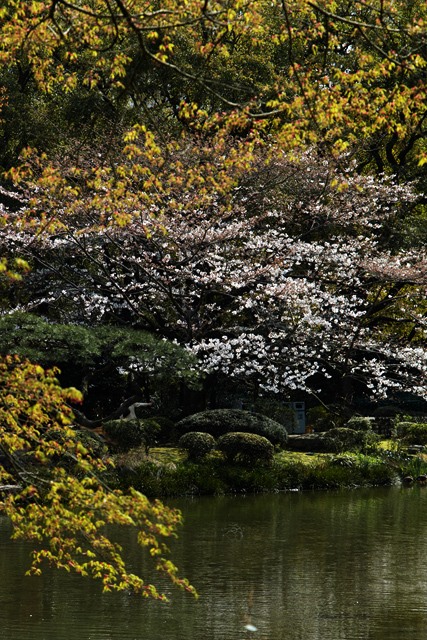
(326, 565)
(321, 566)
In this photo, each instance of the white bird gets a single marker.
(132, 415)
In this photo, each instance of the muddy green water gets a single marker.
(321, 566)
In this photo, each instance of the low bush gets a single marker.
(150, 430)
(129, 434)
(221, 421)
(416, 434)
(197, 444)
(245, 447)
(126, 433)
(324, 418)
(359, 423)
(343, 439)
(402, 428)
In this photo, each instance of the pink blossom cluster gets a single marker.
(287, 283)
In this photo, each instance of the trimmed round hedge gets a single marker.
(218, 422)
(197, 444)
(245, 447)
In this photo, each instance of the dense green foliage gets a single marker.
(128, 434)
(403, 427)
(341, 439)
(415, 434)
(328, 73)
(214, 476)
(245, 447)
(220, 421)
(104, 362)
(93, 442)
(197, 444)
(322, 418)
(54, 490)
(359, 423)
(219, 112)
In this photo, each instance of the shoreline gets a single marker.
(171, 475)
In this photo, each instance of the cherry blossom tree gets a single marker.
(286, 281)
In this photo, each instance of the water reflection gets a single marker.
(324, 566)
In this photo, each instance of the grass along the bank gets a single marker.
(167, 473)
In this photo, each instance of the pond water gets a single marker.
(306, 566)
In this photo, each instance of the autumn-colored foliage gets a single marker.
(53, 491)
(330, 72)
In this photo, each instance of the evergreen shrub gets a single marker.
(403, 428)
(197, 444)
(416, 434)
(322, 419)
(150, 430)
(129, 434)
(221, 421)
(359, 423)
(245, 447)
(343, 439)
(93, 442)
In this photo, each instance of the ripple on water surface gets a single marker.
(347, 565)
